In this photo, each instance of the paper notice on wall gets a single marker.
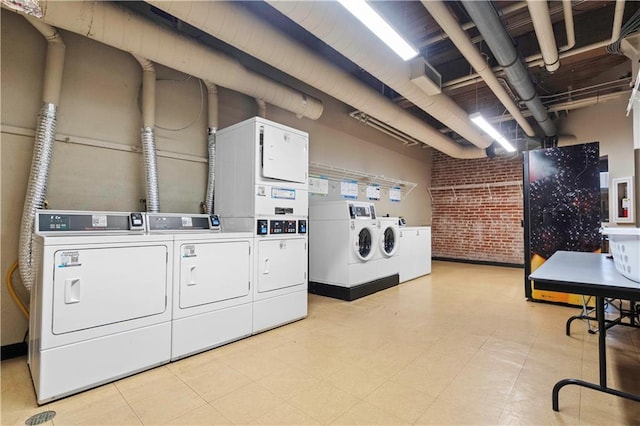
(349, 189)
(373, 192)
(395, 195)
(318, 185)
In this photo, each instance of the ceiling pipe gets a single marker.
(232, 24)
(617, 20)
(330, 23)
(569, 26)
(148, 135)
(501, 45)
(36, 190)
(514, 7)
(212, 129)
(448, 23)
(121, 28)
(567, 51)
(541, 19)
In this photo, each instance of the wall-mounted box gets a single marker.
(623, 200)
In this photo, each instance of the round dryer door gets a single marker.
(364, 244)
(389, 241)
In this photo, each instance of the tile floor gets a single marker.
(460, 346)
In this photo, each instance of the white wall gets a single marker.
(100, 105)
(605, 123)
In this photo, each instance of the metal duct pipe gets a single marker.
(541, 19)
(148, 136)
(329, 22)
(42, 148)
(262, 108)
(212, 90)
(125, 30)
(514, 7)
(231, 24)
(489, 25)
(448, 23)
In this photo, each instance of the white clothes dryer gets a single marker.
(101, 303)
(261, 186)
(212, 281)
(345, 259)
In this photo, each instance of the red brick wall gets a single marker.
(479, 223)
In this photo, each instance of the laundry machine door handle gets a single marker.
(266, 266)
(72, 290)
(192, 275)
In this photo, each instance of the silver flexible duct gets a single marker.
(211, 144)
(150, 169)
(36, 188)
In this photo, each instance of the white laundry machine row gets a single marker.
(212, 281)
(261, 186)
(352, 253)
(101, 302)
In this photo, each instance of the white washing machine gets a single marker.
(389, 245)
(212, 281)
(101, 303)
(345, 251)
(261, 187)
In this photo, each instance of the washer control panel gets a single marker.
(278, 227)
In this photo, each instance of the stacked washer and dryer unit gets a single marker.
(118, 293)
(261, 186)
(353, 253)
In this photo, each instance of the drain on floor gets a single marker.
(40, 418)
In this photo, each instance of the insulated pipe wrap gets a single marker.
(150, 169)
(501, 45)
(36, 188)
(211, 145)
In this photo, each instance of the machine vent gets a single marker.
(426, 77)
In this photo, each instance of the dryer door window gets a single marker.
(388, 241)
(364, 244)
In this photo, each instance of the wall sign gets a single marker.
(395, 195)
(373, 192)
(349, 189)
(318, 185)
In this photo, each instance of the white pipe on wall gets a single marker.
(42, 148)
(148, 135)
(328, 22)
(448, 23)
(212, 99)
(541, 19)
(125, 30)
(231, 24)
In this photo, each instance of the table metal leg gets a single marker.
(602, 359)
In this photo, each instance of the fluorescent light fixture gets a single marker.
(370, 18)
(479, 121)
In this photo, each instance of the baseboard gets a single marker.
(356, 292)
(13, 351)
(479, 262)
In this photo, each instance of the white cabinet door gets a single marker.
(281, 263)
(213, 272)
(284, 155)
(100, 286)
